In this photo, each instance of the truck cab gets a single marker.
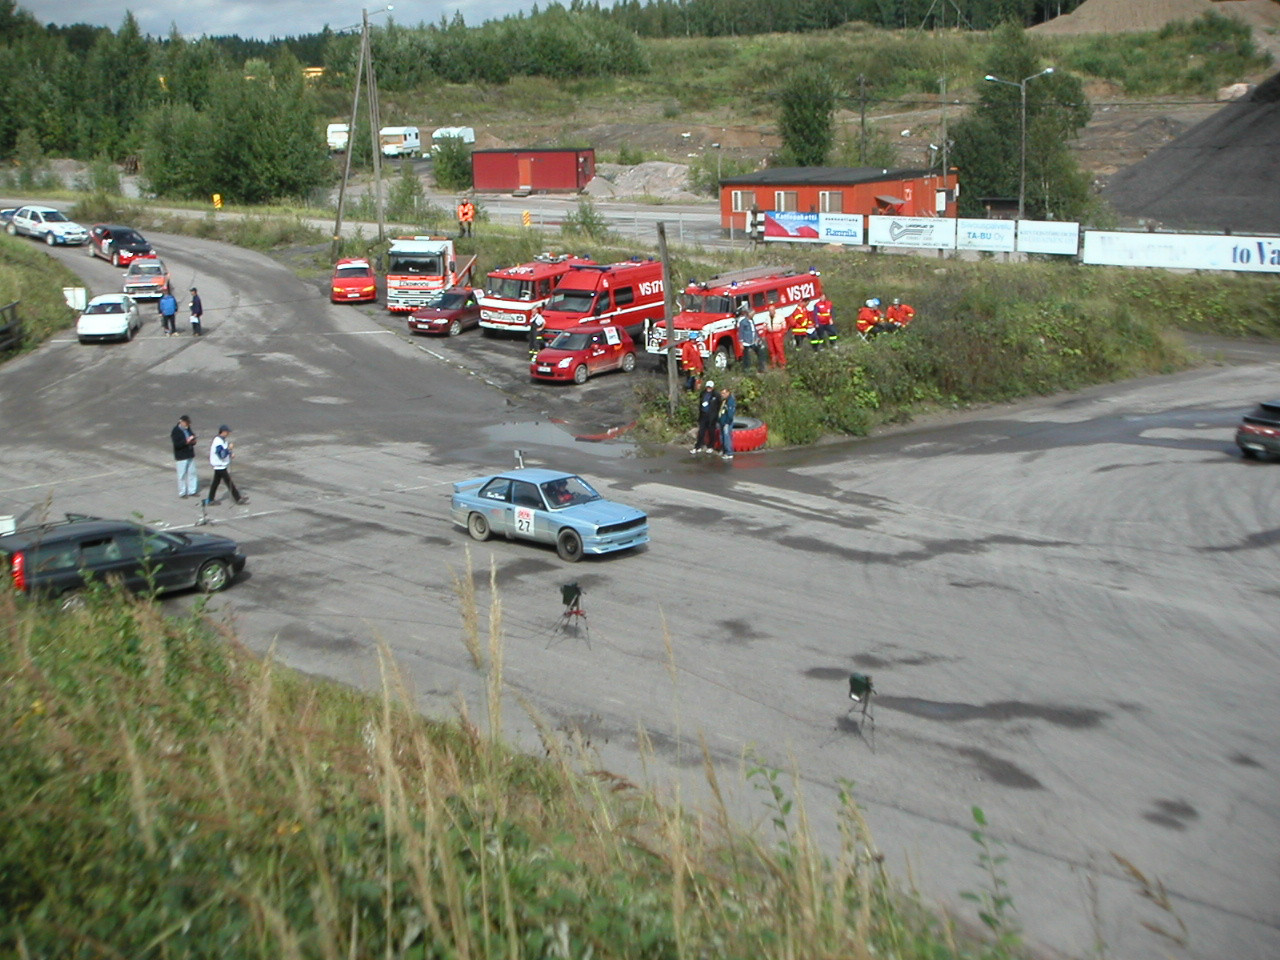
(419, 269)
(627, 294)
(512, 294)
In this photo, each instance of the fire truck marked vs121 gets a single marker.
(709, 308)
(421, 268)
(512, 294)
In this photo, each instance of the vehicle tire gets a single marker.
(13, 230)
(72, 601)
(569, 546)
(749, 434)
(214, 575)
(720, 358)
(455, 328)
(478, 527)
(128, 332)
(1248, 454)
(115, 258)
(48, 238)
(88, 248)
(628, 362)
(580, 373)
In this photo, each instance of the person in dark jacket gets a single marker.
(728, 412)
(184, 455)
(197, 312)
(749, 337)
(708, 412)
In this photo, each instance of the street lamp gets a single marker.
(1022, 154)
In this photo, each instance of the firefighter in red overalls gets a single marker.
(801, 323)
(869, 317)
(775, 336)
(900, 314)
(824, 326)
(691, 361)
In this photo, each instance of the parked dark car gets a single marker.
(120, 245)
(1259, 433)
(456, 310)
(60, 558)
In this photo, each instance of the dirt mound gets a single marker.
(1136, 16)
(1222, 174)
(654, 178)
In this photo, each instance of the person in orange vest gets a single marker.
(691, 360)
(775, 336)
(466, 216)
(801, 322)
(869, 317)
(900, 314)
(824, 327)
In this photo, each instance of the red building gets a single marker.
(864, 190)
(531, 171)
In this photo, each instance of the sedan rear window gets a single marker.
(114, 306)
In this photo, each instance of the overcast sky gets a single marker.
(259, 18)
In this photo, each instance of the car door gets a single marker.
(612, 349)
(115, 556)
(168, 560)
(528, 513)
(495, 499)
(597, 354)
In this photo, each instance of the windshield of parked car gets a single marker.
(356, 271)
(568, 492)
(452, 300)
(420, 264)
(111, 306)
(570, 341)
(53, 216)
(572, 301)
(509, 288)
(704, 303)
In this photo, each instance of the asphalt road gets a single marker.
(1068, 606)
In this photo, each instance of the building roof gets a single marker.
(537, 150)
(841, 176)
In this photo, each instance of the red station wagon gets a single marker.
(578, 354)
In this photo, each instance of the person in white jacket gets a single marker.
(220, 453)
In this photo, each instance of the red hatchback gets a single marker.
(353, 281)
(578, 354)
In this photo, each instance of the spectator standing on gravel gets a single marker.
(728, 413)
(708, 412)
(220, 453)
(775, 336)
(197, 312)
(184, 455)
(749, 337)
(168, 307)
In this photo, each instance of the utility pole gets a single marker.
(375, 127)
(943, 84)
(668, 298)
(862, 109)
(351, 139)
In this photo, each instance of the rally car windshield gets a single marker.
(705, 303)
(572, 301)
(53, 216)
(144, 269)
(110, 306)
(427, 266)
(131, 238)
(509, 288)
(568, 492)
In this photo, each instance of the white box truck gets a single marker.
(338, 135)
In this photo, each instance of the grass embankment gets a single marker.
(34, 279)
(984, 332)
(167, 795)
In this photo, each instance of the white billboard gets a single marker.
(1048, 236)
(840, 228)
(1190, 251)
(936, 232)
(992, 235)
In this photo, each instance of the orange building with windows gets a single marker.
(864, 190)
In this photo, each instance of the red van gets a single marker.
(627, 295)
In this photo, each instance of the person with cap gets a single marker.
(220, 453)
(197, 312)
(184, 455)
(708, 419)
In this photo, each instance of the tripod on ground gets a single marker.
(861, 690)
(573, 618)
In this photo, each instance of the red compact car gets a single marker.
(456, 310)
(353, 281)
(578, 354)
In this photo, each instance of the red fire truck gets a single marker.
(419, 269)
(511, 294)
(708, 308)
(627, 294)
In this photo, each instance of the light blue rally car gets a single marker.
(550, 507)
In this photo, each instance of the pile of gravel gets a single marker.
(655, 179)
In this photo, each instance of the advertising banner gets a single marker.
(791, 227)
(840, 228)
(1188, 251)
(992, 235)
(936, 232)
(1048, 236)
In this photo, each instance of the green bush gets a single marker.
(451, 163)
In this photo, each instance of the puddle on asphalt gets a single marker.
(549, 433)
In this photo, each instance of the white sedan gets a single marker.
(112, 316)
(47, 224)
